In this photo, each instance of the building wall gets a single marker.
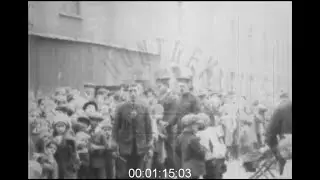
(55, 63)
(212, 38)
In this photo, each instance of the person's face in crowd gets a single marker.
(33, 116)
(90, 109)
(107, 131)
(42, 106)
(94, 123)
(133, 93)
(183, 88)
(84, 125)
(162, 88)
(46, 138)
(158, 115)
(35, 127)
(61, 128)
(89, 92)
(100, 99)
(51, 149)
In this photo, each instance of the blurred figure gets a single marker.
(89, 91)
(280, 127)
(260, 121)
(160, 154)
(229, 125)
(212, 139)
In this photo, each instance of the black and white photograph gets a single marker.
(160, 89)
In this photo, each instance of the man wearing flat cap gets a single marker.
(132, 132)
(169, 103)
(188, 103)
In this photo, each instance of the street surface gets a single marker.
(236, 171)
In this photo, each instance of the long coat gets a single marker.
(132, 121)
(191, 153)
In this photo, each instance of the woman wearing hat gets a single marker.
(189, 149)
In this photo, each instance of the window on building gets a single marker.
(71, 8)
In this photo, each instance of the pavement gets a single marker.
(236, 171)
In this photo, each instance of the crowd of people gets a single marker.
(112, 129)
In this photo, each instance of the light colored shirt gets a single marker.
(212, 134)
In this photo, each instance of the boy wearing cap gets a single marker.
(98, 143)
(189, 149)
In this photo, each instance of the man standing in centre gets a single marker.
(133, 133)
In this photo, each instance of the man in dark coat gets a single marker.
(188, 103)
(132, 132)
(169, 103)
(280, 125)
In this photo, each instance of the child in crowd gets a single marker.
(82, 139)
(82, 124)
(98, 143)
(211, 139)
(111, 148)
(47, 160)
(66, 155)
(188, 147)
(160, 154)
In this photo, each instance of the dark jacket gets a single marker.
(188, 103)
(97, 157)
(129, 127)
(280, 124)
(191, 153)
(170, 106)
(67, 157)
